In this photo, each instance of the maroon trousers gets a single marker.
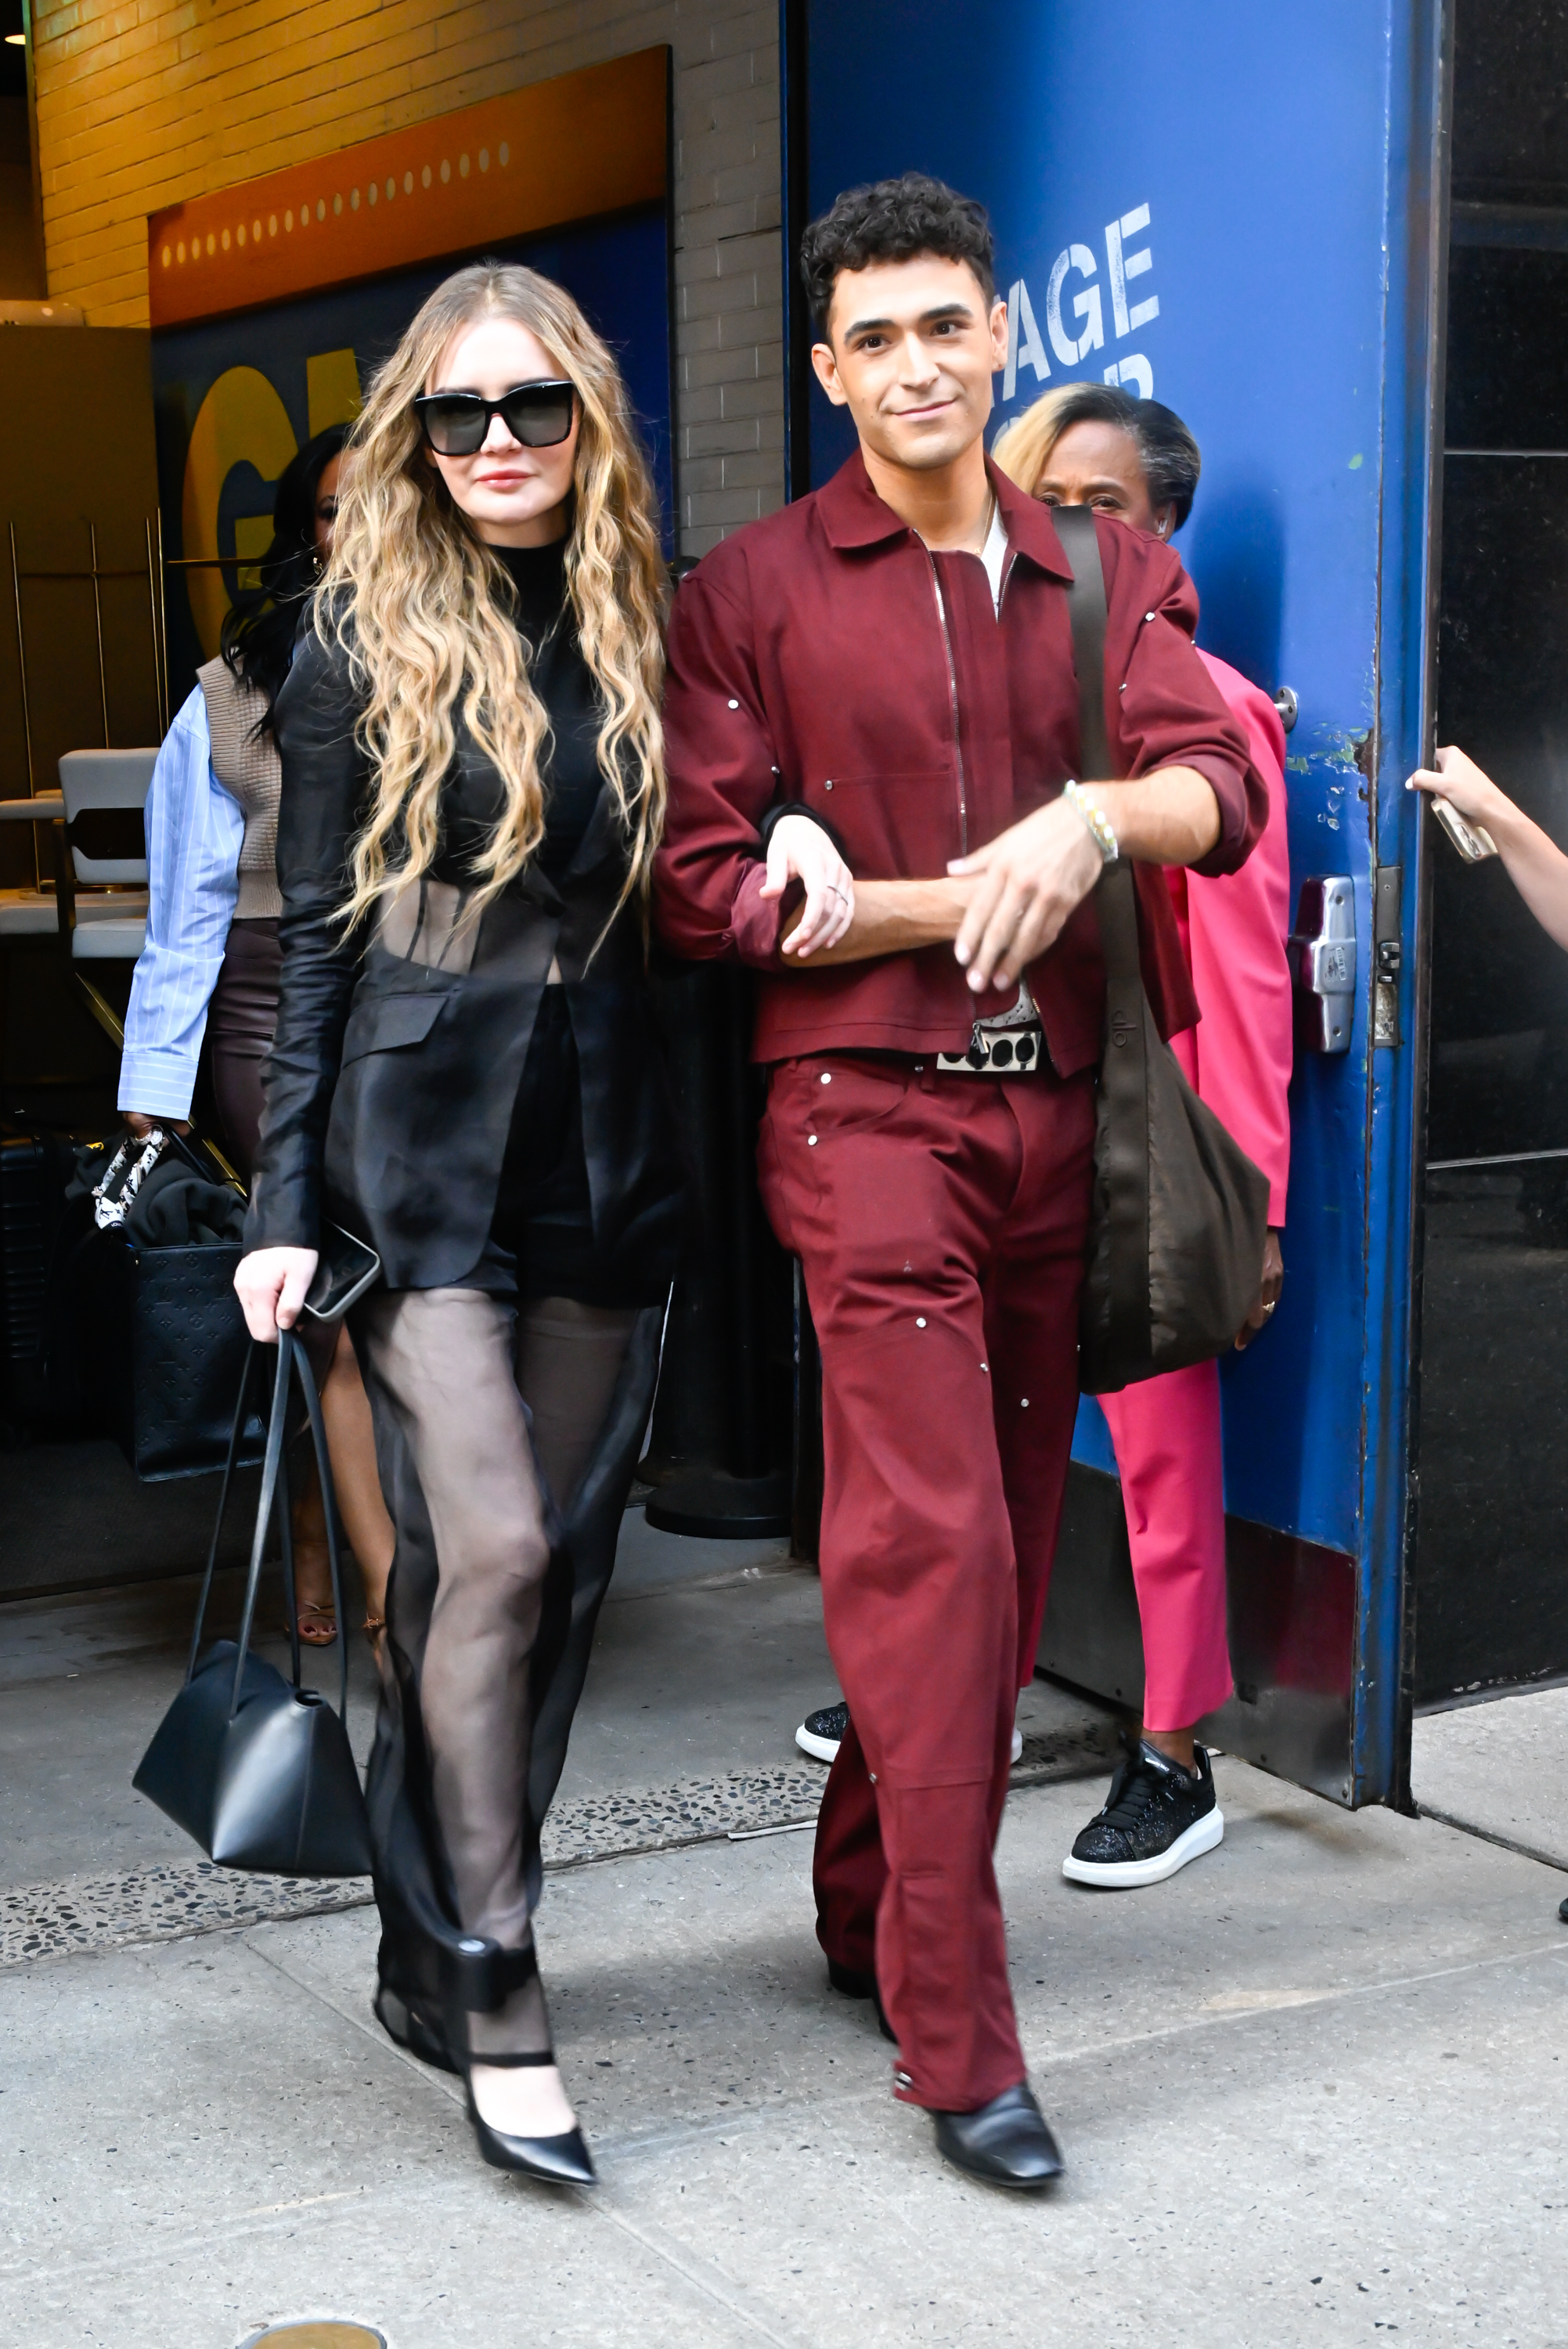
(940, 1221)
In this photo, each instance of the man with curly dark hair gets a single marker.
(877, 799)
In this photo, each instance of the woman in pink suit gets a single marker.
(1089, 444)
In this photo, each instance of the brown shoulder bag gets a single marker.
(1180, 1217)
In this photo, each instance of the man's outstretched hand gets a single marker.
(1027, 881)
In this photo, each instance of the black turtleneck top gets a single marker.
(565, 685)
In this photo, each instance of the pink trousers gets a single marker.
(1166, 1432)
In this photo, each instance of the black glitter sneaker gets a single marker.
(821, 1734)
(1156, 1818)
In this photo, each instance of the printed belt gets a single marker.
(997, 1052)
(1007, 1045)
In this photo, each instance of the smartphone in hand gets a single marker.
(1474, 842)
(346, 1268)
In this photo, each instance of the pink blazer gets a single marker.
(1233, 928)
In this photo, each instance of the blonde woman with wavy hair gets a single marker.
(466, 1075)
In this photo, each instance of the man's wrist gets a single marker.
(1095, 820)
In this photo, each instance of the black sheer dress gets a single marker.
(509, 1396)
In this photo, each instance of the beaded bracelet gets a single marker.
(1095, 821)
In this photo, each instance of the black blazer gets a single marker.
(390, 1089)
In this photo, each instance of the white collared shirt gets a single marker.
(993, 556)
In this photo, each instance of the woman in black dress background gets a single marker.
(466, 1073)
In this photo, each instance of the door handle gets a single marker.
(1323, 963)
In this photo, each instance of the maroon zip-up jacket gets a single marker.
(825, 656)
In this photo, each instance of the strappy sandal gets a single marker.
(316, 1620)
(373, 1627)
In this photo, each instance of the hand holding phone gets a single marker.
(1461, 792)
(1473, 840)
(346, 1269)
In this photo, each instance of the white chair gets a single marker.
(104, 793)
(30, 912)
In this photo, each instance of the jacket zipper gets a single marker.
(951, 705)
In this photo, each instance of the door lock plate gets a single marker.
(1390, 954)
(1323, 963)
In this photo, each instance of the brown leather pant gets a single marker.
(240, 1019)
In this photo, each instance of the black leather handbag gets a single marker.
(256, 1768)
(159, 1331)
(169, 1346)
(1179, 1217)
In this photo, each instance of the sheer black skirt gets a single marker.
(510, 1412)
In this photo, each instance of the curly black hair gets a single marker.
(260, 626)
(895, 221)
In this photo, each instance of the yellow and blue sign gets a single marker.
(239, 389)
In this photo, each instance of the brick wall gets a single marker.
(143, 103)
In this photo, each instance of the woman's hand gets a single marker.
(799, 850)
(271, 1284)
(141, 1125)
(1270, 1283)
(1460, 782)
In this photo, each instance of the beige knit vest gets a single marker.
(249, 769)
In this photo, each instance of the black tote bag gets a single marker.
(1179, 1216)
(255, 1768)
(168, 1350)
(160, 1335)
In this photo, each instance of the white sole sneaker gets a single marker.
(826, 1749)
(1127, 1875)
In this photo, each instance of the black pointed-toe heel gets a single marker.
(562, 2160)
(1006, 2142)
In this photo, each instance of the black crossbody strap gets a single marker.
(1086, 613)
(1124, 1069)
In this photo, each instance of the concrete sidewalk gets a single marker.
(1311, 2090)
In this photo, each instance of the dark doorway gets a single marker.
(1491, 1593)
(22, 277)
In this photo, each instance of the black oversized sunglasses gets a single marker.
(457, 423)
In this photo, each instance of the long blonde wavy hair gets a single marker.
(424, 609)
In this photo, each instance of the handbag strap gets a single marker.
(1124, 1069)
(234, 1435)
(329, 1511)
(293, 1361)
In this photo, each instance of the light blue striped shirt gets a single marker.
(195, 830)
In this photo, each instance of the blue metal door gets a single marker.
(1237, 210)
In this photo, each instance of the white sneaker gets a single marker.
(819, 1734)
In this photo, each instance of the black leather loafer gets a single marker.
(558, 2160)
(852, 1984)
(1005, 2142)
